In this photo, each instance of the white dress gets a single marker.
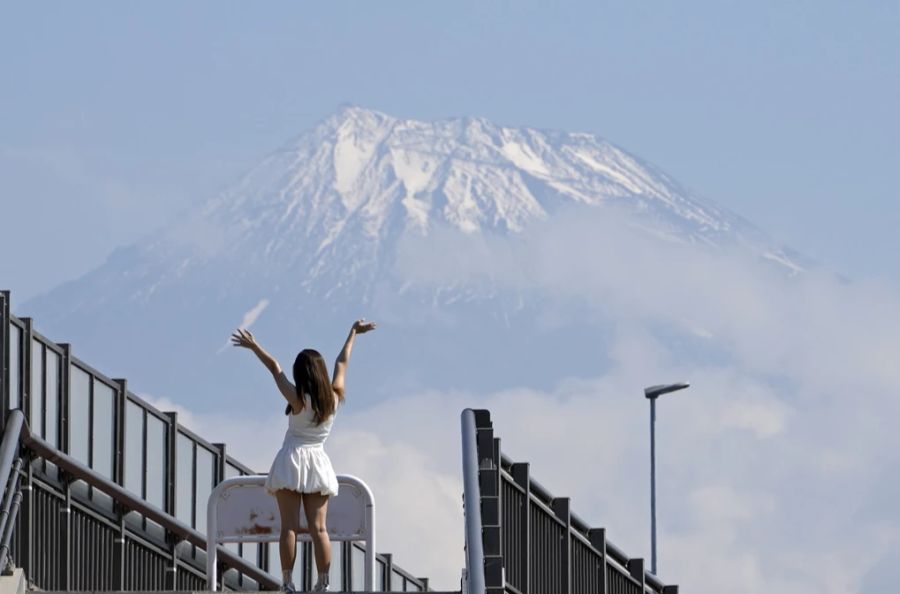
(301, 464)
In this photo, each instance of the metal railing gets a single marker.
(17, 431)
(532, 543)
(90, 539)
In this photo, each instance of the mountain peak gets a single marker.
(333, 205)
(350, 115)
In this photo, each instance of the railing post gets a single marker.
(561, 507)
(670, 590)
(65, 544)
(218, 478)
(27, 506)
(388, 572)
(172, 569)
(118, 557)
(26, 353)
(172, 437)
(489, 486)
(636, 570)
(597, 536)
(65, 379)
(171, 471)
(220, 463)
(492, 518)
(471, 421)
(4, 357)
(520, 474)
(307, 569)
(119, 432)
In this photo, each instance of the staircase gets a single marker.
(104, 492)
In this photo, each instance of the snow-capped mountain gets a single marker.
(319, 222)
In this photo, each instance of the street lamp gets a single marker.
(652, 393)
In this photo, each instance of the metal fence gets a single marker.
(71, 536)
(532, 542)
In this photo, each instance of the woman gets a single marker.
(301, 474)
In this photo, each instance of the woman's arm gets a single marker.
(340, 364)
(243, 338)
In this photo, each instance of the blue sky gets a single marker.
(114, 117)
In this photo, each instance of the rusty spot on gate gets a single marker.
(256, 529)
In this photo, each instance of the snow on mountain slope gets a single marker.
(319, 222)
(330, 206)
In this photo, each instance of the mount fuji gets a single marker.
(323, 231)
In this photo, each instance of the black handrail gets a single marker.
(8, 529)
(9, 445)
(9, 478)
(17, 431)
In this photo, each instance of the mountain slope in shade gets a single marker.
(315, 227)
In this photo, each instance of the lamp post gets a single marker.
(652, 393)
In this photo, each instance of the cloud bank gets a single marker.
(777, 469)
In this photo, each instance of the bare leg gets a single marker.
(289, 507)
(315, 506)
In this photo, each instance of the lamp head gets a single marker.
(657, 391)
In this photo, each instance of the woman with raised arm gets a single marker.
(301, 474)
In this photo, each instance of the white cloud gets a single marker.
(248, 319)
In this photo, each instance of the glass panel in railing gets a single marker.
(184, 479)
(104, 425)
(35, 418)
(250, 552)
(134, 448)
(275, 560)
(337, 567)
(103, 445)
(397, 581)
(357, 568)
(232, 579)
(135, 521)
(206, 472)
(232, 471)
(249, 584)
(156, 531)
(157, 461)
(79, 414)
(51, 420)
(15, 364)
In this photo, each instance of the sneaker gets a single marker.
(321, 588)
(288, 588)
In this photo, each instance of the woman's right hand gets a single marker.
(362, 326)
(243, 338)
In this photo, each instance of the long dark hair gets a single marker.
(311, 377)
